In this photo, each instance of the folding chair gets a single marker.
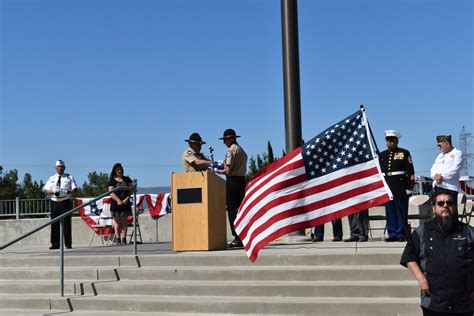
(130, 230)
(468, 211)
(464, 208)
(104, 222)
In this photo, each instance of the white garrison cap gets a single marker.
(60, 163)
(393, 133)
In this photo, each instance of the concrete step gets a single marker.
(260, 273)
(365, 289)
(238, 258)
(23, 312)
(302, 273)
(288, 278)
(365, 255)
(39, 302)
(327, 306)
(69, 261)
(51, 287)
(50, 273)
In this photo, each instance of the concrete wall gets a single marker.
(156, 230)
(151, 230)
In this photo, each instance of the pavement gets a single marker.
(293, 244)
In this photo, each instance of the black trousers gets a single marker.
(427, 312)
(235, 192)
(57, 209)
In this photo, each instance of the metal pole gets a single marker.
(135, 250)
(61, 255)
(291, 74)
(17, 207)
(291, 78)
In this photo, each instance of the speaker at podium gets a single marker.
(199, 212)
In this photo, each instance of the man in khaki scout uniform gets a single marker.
(192, 158)
(235, 167)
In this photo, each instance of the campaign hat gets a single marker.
(195, 138)
(229, 133)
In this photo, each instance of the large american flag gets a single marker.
(333, 175)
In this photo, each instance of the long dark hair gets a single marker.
(112, 173)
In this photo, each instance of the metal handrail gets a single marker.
(61, 227)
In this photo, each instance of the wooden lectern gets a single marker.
(199, 213)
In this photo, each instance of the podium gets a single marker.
(199, 212)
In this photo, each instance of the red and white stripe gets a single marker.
(282, 199)
(157, 204)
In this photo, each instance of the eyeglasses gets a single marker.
(442, 203)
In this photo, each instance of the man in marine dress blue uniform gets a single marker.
(397, 167)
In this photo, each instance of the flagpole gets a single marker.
(291, 74)
(291, 78)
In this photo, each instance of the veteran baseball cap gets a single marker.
(60, 163)
(443, 138)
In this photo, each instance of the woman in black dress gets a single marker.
(120, 206)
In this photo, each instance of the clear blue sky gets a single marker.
(94, 82)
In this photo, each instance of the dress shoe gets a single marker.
(363, 239)
(401, 239)
(391, 239)
(53, 247)
(68, 247)
(235, 244)
(352, 239)
(337, 238)
(316, 239)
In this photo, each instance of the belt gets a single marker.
(394, 173)
(59, 199)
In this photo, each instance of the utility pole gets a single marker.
(464, 142)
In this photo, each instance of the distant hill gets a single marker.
(152, 190)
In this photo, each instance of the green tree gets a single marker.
(9, 189)
(97, 184)
(262, 160)
(271, 158)
(31, 189)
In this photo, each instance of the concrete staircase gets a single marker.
(301, 278)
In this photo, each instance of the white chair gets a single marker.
(105, 221)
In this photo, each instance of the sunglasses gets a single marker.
(442, 203)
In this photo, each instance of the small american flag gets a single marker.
(333, 175)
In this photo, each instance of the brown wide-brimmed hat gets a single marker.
(195, 138)
(229, 133)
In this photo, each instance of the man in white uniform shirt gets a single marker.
(59, 189)
(447, 166)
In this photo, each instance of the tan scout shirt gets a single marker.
(237, 159)
(189, 156)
